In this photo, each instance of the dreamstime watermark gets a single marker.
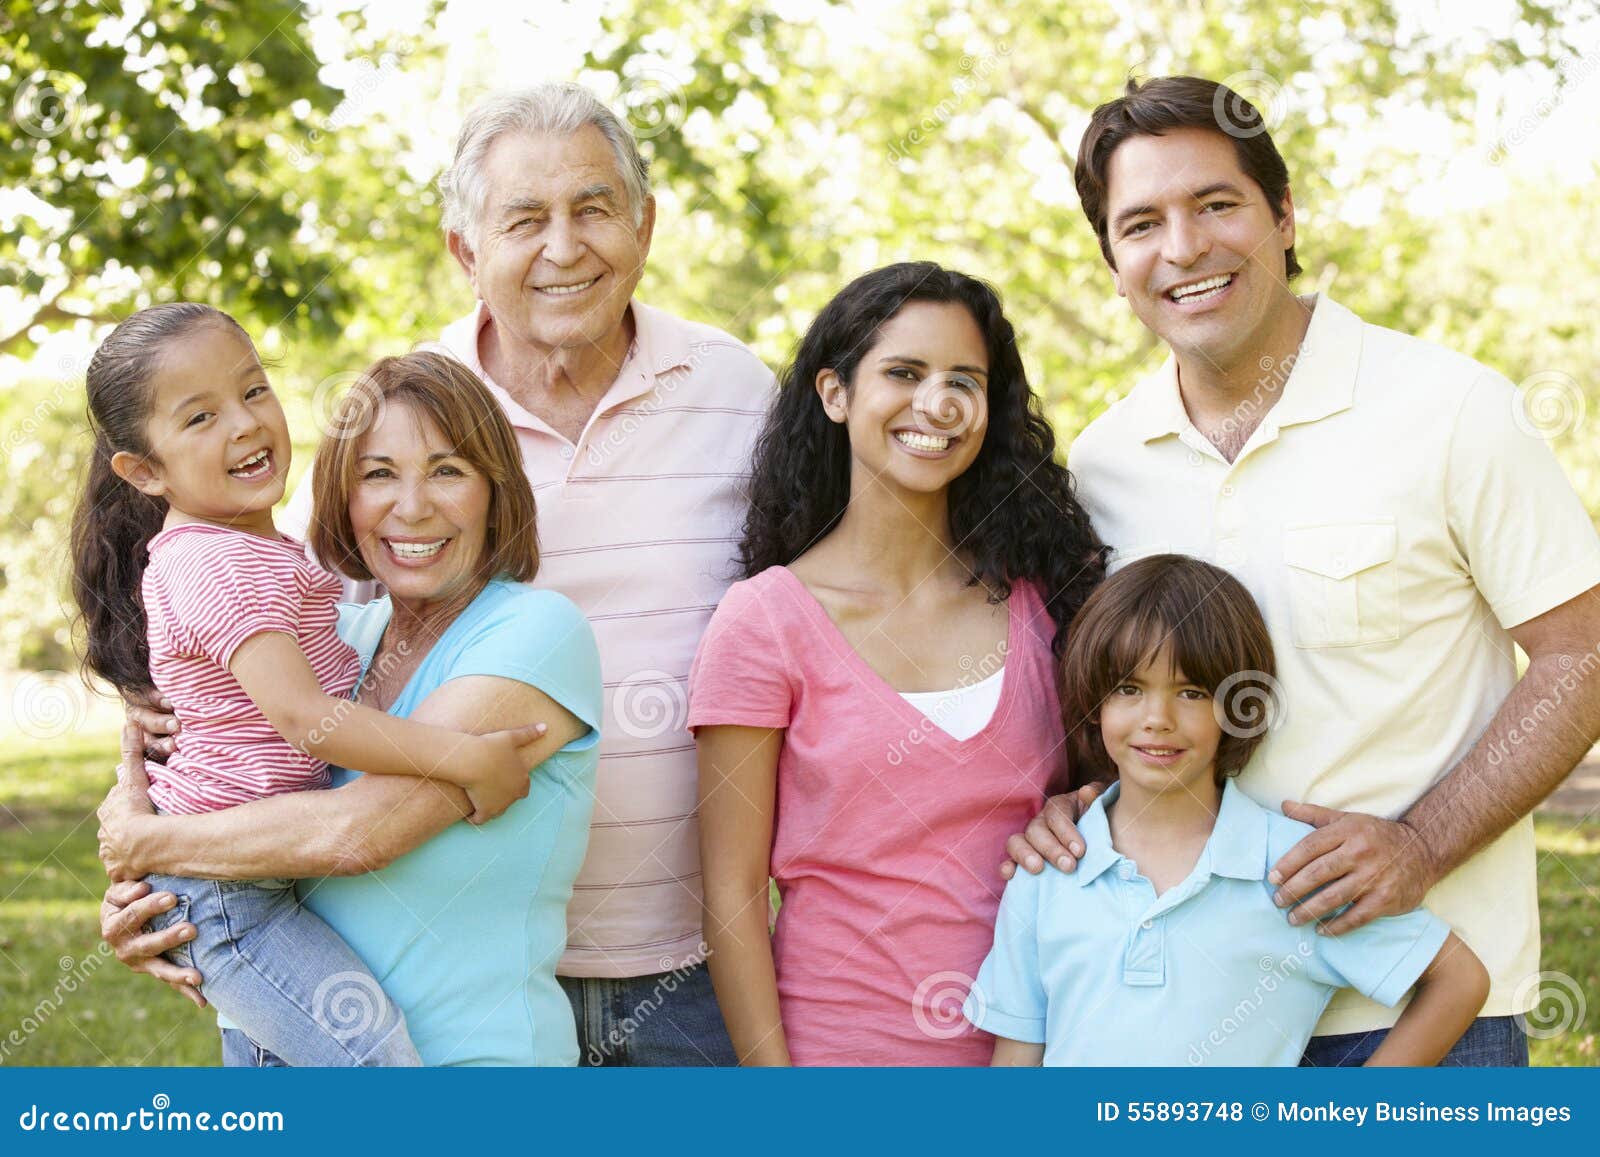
(652, 98)
(1573, 674)
(1573, 72)
(948, 405)
(349, 1004)
(1249, 103)
(648, 704)
(368, 79)
(1274, 974)
(382, 668)
(27, 430)
(1248, 704)
(47, 104)
(937, 1002)
(668, 377)
(49, 704)
(973, 69)
(673, 975)
(1549, 404)
(973, 671)
(346, 405)
(1559, 1005)
(77, 973)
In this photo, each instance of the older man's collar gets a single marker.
(1321, 382)
(663, 342)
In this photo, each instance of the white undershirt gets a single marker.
(962, 712)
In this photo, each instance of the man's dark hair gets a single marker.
(1178, 102)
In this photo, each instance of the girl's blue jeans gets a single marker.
(281, 976)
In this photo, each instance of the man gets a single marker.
(636, 429)
(1397, 527)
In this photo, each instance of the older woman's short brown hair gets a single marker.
(438, 387)
(1217, 637)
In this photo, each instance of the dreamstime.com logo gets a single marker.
(160, 1117)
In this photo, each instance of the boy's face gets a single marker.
(1198, 250)
(1160, 731)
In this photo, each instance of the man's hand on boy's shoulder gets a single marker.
(1052, 835)
(1377, 866)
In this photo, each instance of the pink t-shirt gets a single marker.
(888, 831)
(208, 589)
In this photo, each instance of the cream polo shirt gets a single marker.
(638, 525)
(1392, 521)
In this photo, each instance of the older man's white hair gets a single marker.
(552, 109)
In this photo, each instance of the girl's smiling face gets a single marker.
(918, 407)
(219, 442)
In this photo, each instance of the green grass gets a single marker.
(69, 1003)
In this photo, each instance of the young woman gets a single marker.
(875, 704)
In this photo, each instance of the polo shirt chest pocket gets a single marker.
(1344, 586)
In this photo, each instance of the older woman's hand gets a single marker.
(152, 714)
(125, 807)
(124, 912)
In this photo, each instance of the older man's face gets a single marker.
(558, 254)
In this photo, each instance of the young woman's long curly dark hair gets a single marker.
(1013, 513)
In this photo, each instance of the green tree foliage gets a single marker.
(185, 149)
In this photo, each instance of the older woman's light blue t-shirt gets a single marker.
(464, 932)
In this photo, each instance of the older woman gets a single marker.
(424, 493)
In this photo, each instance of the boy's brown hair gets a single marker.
(1217, 638)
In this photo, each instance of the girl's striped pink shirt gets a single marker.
(206, 590)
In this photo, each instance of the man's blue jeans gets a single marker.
(282, 976)
(1491, 1042)
(669, 1018)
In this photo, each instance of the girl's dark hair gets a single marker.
(113, 522)
(1178, 102)
(1217, 637)
(1013, 512)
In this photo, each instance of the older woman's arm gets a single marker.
(357, 828)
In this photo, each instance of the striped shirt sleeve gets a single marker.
(220, 590)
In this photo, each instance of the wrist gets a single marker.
(1426, 858)
(146, 839)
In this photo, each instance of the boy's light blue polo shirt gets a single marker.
(1103, 972)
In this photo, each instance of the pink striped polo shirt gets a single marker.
(206, 590)
(638, 525)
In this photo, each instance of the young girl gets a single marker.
(231, 624)
(1165, 947)
(875, 704)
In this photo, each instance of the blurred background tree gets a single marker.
(279, 160)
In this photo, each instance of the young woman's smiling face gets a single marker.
(918, 407)
(418, 510)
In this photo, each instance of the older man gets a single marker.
(1399, 523)
(636, 430)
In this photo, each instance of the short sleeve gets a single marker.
(221, 589)
(540, 638)
(740, 677)
(1527, 539)
(1008, 998)
(1381, 959)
